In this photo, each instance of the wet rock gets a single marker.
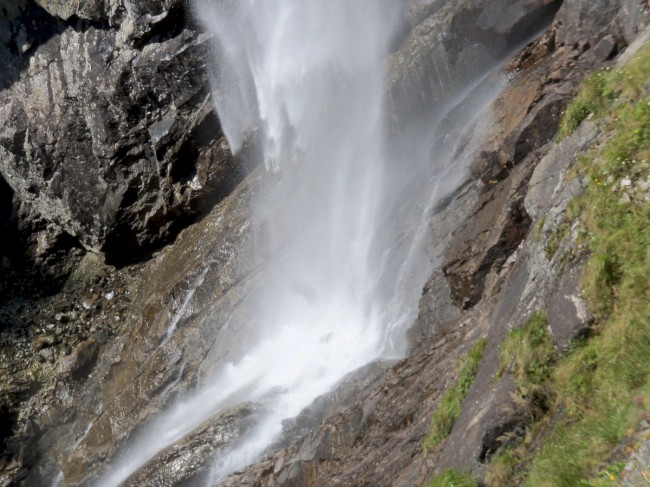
(539, 126)
(79, 363)
(443, 50)
(189, 461)
(375, 440)
(327, 405)
(141, 132)
(479, 246)
(584, 21)
(216, 276)
(436, 309)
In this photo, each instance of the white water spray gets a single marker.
(342, 217)
(308, 75)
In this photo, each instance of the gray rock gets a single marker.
(568, 314)
(444, 50)
(587, 22)
(101, 129)
(189, 461)
(605, 48)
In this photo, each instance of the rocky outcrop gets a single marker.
(188, 462)
(48, 347)
(456, 42)
(108, 139)
(194, 274)
(521, 178)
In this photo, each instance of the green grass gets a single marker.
(561, 230)
(607, 88)
(451, 402)
(602, 386)
(530, 354)
(556, 238)
(594, 98)
(453, 478)
(501, 470)
(600, 390)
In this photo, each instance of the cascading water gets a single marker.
(340, 218)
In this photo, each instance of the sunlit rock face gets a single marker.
(108, 137)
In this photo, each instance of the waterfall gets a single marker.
(340, 219)
(307, 76)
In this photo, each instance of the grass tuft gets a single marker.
(451, 402)
(530, 353)
(595, 96)
(453, 478)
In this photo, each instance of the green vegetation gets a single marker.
(608, 477)
(600, 389)
(606, 88)
(453, 478)
(594, 98)
(451, 402)
(603, 385)
(530, 353)
(501, 470)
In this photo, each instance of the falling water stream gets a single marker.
(342, 209)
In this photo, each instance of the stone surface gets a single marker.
(108, 139)
(442, 50)
(188, 462)
(589, 21)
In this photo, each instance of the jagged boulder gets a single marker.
(103, 122)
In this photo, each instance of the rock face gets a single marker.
(108, 143)
(188, 462)
(457, 41)
(108, 138)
